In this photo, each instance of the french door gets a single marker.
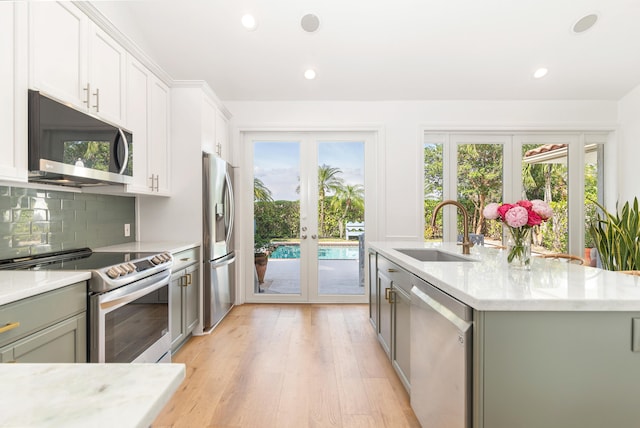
(309, 199)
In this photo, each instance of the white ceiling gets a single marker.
(391, 50)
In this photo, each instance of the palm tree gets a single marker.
(349, 196)
(261, 192)
(328, 182)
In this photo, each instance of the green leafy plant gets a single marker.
(617, 237)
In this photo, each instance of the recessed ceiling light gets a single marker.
(249, 22)
(541, 72)
(584, 23)
(310, 74)
(310, 23)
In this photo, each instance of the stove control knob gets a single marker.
(167, 257)
(127, 267)
(121, 270)
(132, 266)
(112, 273)
(156, 260)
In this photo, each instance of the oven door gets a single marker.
(131, 324)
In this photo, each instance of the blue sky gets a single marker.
(277, 164)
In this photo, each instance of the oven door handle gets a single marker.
(113, 300)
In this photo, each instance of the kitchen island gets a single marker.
(555, 346)
(86, 395)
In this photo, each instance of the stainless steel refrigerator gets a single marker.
(218, 252)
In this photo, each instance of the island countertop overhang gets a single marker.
(488, 284)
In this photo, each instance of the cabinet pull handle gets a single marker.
(97, 95)
(188, 279)
(87, 99)
(155, 183)
(387, 291)
(9, 326)
(186, 259)
(183, 281)
(391, 270)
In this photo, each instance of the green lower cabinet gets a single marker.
(65, 342)
(184, 290)
(556, 370)
(46, 328)
(402, 335)
(394, 316)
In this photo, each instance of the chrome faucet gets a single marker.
(466, 242)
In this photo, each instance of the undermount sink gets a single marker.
(432, 255)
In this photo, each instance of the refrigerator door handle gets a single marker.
(233, 210)
(224, 262)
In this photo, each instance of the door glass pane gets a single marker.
(480, 183)
(544, 177)
(276, 210)
(433, 188)
(341, 225)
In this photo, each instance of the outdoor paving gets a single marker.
(334, 277)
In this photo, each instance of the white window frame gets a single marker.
(512, 170)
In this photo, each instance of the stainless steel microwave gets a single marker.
(72, 148)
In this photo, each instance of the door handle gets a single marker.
(9, 326)
(97, 95)
(87, 101)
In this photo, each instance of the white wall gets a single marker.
(629, 146)
(402, 124)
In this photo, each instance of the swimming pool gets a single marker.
(325, 252)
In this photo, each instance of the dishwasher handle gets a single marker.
(460, 323)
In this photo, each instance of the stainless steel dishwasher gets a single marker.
(441, 339)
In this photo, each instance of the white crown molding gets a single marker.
(204, 86)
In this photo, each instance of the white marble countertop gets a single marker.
(488, 284)
(17, 285)
(149, 246)
(86, 395)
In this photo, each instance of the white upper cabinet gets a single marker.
(137, 97)
(58, 50)
(215, 129)
(106, 76)
(148, 119)
(222, 136)
(13, 97)
(158, 144)
(73, 60)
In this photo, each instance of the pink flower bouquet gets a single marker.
(519, 218)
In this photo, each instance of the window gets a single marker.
(563, 169)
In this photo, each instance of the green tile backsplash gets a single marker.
(36, 221)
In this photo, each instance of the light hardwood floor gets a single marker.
(288, 366)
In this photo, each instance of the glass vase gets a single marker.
(519, 247)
